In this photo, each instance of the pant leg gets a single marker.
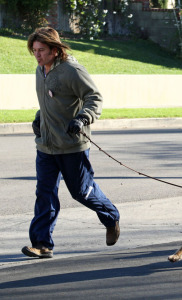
(78, 175)
(47, 204)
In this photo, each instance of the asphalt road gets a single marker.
(153, 152)
(83, 267)
(136, 274)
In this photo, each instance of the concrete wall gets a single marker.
(119, 91)
(159, 25)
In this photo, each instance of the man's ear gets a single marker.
(55, 51)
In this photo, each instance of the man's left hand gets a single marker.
(75, 125)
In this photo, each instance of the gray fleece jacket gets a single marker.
(66, 92)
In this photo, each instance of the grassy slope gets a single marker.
(99, 57)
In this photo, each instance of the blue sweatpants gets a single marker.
(78, 176)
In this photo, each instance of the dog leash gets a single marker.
(145, 175)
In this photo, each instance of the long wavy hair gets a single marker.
(50, 37)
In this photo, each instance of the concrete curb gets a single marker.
(109, 124)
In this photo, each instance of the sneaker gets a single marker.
(176, 256)
(112, 234)
(35, 252)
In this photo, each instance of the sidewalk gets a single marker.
(16, 128)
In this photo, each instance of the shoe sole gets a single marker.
(29, 253)
(112, 244)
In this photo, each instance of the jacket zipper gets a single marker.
(48, 133)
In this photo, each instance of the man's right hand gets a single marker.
(36, 124)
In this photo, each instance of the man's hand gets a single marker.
(36, 125)
(75, 125)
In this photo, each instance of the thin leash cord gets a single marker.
(145, 175)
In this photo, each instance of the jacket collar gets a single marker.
(56, 62)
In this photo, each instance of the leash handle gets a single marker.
(110, 156)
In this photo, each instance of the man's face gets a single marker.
(43, 54)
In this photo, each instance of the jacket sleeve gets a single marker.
(85, 89)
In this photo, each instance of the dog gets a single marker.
(176, 256)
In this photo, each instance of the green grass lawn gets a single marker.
(19, 116)
(99, 57)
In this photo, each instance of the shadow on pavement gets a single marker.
(133, 263)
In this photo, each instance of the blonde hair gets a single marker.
(50, 37)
